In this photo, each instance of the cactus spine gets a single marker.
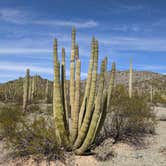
(26, 90)
(130, 79)
(86, 118)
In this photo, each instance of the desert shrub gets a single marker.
(34, 108)
(159, 98)
(9, 118)
(128, 116)
(24, 136)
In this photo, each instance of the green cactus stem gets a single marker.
(84, 128)
(88, 84)
(26, 90)
(64, 86)
(58, 107)
(74, 130)
(96, 113)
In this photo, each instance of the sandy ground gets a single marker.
(152, 154)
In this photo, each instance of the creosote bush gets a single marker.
(128, 117)
(24, 137)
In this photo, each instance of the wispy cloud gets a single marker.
(12, 15)
(152, 67)
(135, 43)
(19, 17)
(65, 23)
(21, 67)
(24, 50)
(17, 68)
(126, 28)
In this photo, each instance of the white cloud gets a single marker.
(135, 43)
(21, 67)
(24, 50)
(12, 15)
(21, 17)
(152, 67)
(34, 67)
(65, 23)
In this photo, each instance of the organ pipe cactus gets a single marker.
(26, 90)
(64, 88)
(87, 117)
(58, 107)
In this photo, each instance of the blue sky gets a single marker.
(125, 29)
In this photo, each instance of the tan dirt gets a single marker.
(153, 154)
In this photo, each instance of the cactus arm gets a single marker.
(84, 128)
(111, 85)
(74, 130)
(58, 109)
(72, 72)
(64, 86)
(96, 114)
(88, 84)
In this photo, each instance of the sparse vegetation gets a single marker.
(25, 136)
(31, 129)
(129, 117)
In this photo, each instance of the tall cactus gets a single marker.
(86, 118)
(90, 102)
(64, 88)
(75, 111)
(96, 114)
(88, 83)
(26, 90)
(130, 79)
(72, 71)
(58, 107)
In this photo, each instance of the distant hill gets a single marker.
(142, 81)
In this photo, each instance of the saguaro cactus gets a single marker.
(130, 79)
(86, 118)
(26, 90)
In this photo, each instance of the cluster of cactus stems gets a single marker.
(79, 131)
(30, 90)
(130, 79)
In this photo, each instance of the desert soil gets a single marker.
(153, 153)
